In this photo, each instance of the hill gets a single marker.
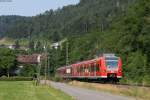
(78, 19)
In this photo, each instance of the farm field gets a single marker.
(27, 91)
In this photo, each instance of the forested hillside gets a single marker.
(78, 19)
(92, 27)
(128, 36)
(8, 22)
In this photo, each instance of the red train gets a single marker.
(107, 66)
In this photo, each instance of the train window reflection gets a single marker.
(112, 63)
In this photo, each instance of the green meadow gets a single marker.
(28, 91)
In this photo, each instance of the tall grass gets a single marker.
(140, 93)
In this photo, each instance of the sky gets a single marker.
(31, 7)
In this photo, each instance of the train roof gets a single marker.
(89, 61)
(83, 62)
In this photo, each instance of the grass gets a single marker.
(7, 41)
(22, 41)
(10, 41)
(27, 91)
(140, 93)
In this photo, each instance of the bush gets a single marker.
(28, 70)
(57, 79)
(16, 79)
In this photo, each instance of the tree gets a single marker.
(56, 36)
(39, 47)
(31, 45)
(28, 70)
(7, 59)
(17, 45)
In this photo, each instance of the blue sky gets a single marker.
(31, 7)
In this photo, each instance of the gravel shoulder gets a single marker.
(86, 94)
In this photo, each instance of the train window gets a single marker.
(82, 68)
(92, 68)
(89, 68)
(97, 67)
(78, 69)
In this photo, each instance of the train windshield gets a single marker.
(112, 63)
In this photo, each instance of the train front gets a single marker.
(113, 66)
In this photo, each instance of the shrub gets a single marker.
(16, 79)
(57, 79)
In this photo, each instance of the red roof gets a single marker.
(31, 59)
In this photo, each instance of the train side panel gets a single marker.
(100, 68)
(103, 68)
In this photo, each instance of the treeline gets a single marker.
(78, 19)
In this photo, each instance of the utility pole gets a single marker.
(67, 54)
(38, 76)
(45, 72)
(49, 62)
(39, 69)
(48, 65)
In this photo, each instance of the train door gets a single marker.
(79, 71)
(82, 70)
(95, 65)
(119, 74)
(103, 72)
(91, 69)
(98, 65)
(86, 71)
(73, 70)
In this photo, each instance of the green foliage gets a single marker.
(17, 44)
(128, 37)
(7, 59)
(28, 70)
(57, 79)
(136, 66)
(16, 79)
(25, 90)
(70, 20)
(31, 45)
